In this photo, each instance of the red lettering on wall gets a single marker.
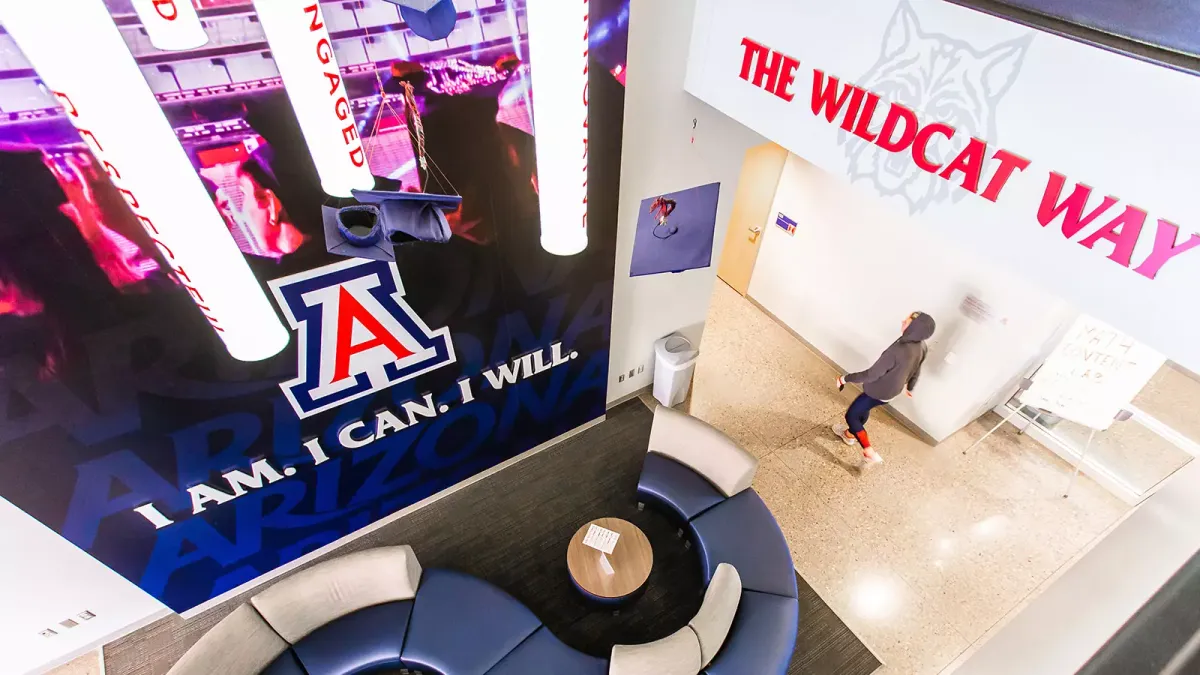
(1165, 248)
(66, 103)
(773, 71)
(1009, 163)
(766, 72)
(314, 21)
(166, 251)
(324, 51)
(970, 163)
(195, 294)
(825, 96)
(921, 142)
(862, 129)
(786, 77)
(90, 139)
(350, 311)
(751, 50)
(903, 131)
(129, 198)
(1071, 208)
(335, 81)
(856, 99)
(908, 133)
(147, 225)
(1123, 231)
(167, 9)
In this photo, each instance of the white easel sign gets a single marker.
(1092, 374)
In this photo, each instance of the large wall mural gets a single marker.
(127, 426)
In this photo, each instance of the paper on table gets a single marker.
(606, 565)
(601, 539)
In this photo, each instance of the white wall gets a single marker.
(1045, 98)
(855, 269)
(659, 157)
(44, 580)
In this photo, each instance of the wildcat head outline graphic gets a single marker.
(942, 79)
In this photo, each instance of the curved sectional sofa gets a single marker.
(378, 610)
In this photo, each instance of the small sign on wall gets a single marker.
(786, 224)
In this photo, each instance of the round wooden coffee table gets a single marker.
(631, 561)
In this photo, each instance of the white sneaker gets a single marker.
(871, 457)
(841, 430)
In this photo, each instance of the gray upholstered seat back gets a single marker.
(715, 617)
(703, 449)
(315, 596)
(677, 654)
(240, 644)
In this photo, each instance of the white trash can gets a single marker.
(674, 364)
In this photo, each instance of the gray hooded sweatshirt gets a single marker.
(899, 366)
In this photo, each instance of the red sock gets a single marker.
(862, 439)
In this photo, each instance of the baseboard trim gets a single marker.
(891, 410)
(630, 396)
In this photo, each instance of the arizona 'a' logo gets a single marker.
(357, 334)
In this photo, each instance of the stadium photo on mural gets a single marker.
(291, 273)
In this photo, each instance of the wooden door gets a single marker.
(761, 169)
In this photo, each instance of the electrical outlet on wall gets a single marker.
(632, 372)
(621, 378)
(640, 369)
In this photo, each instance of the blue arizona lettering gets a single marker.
(357, 334)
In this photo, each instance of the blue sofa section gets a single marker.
(462, 625)
(360, 642)
(737, 529)
(676, 488)
(377, 609)
(762, 638)
(285, 664)
(742, 532)
(544, 653)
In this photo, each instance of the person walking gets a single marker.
(896, 370)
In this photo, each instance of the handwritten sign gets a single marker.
(601, 539)
(1094, 372)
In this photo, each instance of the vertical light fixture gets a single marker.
(80, 55)
(172, 25)
(558, 51)
(303, 52)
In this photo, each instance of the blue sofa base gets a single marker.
(544, 654)
(762, 638)
(676, 488)
(284, 664)
(360, 642)
(462, 625)
(742, 532)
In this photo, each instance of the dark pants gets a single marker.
(859, 411)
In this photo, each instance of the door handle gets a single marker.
(754, 232)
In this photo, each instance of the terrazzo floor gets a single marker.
(922, 556)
